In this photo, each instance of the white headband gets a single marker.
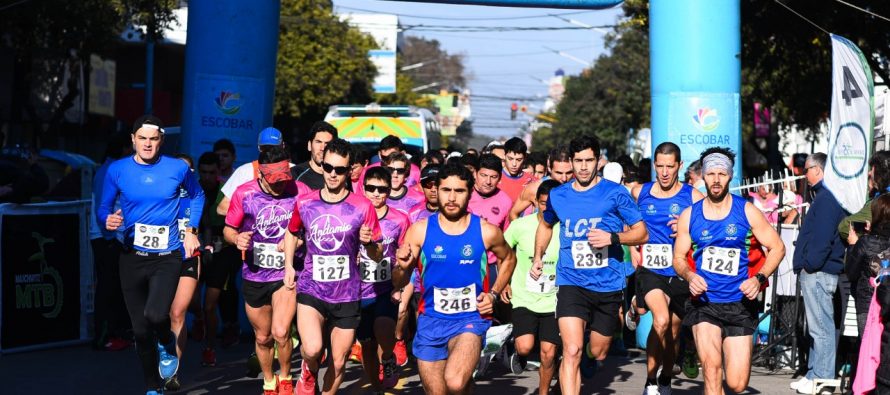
(716, 160)
(150, 126)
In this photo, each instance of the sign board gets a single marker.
(102, 75)
(384, 28)
(227, 107)
(700, 120)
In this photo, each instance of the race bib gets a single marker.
(545, 284)
(376, 272)
(455, 300)
(152, 237)
(267, 256)
(723, 261)
(587, 257)
(328, 268)
(183, 225)
(658, 256)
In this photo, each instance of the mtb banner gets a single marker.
(852, 125)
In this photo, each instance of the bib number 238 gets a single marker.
(587, 257)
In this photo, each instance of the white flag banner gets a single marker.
(852, 125)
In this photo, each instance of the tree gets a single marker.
(438, 67)
(321, 61)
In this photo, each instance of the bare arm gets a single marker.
(526, 199)
(494, 241)
(767, 236)
(408, 253)
(223, 206)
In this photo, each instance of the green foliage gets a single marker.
(322, 61)
(438, 65)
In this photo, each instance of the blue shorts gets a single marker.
(371, 309)
(433, 334)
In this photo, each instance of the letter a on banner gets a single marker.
(852, 125)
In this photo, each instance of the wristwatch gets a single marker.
(497, 295)
(761, 278)
(191, 229)
(615, 240)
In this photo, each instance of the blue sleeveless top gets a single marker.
(657, 212)
(720, 249)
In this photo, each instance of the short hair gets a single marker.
(818, 159)
(694, 167)
(546, 186)
(491, 162)
(186, 157)
(360, 154)
(516, 145)
(208, 158)
(536, 158)
(475, 151)
(881, 162)
(668, 148)
(396, 157)
(390, 142)
(721, 150)
(340, 147)
(582, 143)
(224, 144)
(379, 173)
(322, 126)
(434, 156)
(559, 154)
(273, 154)
(458, 170)
(630, 169)
(467, 160)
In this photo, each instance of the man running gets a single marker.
(513, 179)
(379, 298)
(335, 222)
(256, 224)
(533, 293)
(720, 231)
(310, 172)
(449, 249)
(593, 214)
(402, 197)
(148, 186)
(560, 163)
(658, 287)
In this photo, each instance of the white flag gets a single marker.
(852, 125)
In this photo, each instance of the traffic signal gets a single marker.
(513, 108)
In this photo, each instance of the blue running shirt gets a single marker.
(658, 253)
(720, 249)
(607, 206)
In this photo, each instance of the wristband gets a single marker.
(615, 239)
(761, 278)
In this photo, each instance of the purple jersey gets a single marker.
(377, 276)
(419, 212)
(330, 272)
(404, 204)
(267, 216)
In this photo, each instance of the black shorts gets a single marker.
(599, 309)
(190, 267)
(734, 319)
(675, 287)
(542, 325)
(219, 271)
(258, 294)
(371, 309)
(341, 315)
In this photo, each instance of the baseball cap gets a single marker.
(613, 172)
(269, 136)
(148, 121)
(431, 171)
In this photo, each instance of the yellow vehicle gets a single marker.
(367, 125)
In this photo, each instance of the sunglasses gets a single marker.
(427, 184)
(383, 189)
(398, 170)
(338, 170)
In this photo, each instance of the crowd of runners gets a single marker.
(340, 258)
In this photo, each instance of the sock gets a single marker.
(270, 385)
(282, 378)
(651, 381)
(664, 380)
(587, 351)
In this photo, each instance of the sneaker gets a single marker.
(664, 389)
(517, 363)
(630, 320)
(208, 357)
(355, 355)
(306, 383)
(651, 390)
(285, 387)
(153, 392)
(116, 344)
(799, 383)
(198, 330)
(690, 365)
(401, 352)
(173, 383)
(230, 336)
(253, 366)
(390, 375)
(168, 364)
(810, 387)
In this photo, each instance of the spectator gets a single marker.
(818, 259)
(878, 184)
(862, 261)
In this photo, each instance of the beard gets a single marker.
(718, 197)
(461, 212)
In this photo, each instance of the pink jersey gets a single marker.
(410, 199)
(495, 209)
(412, 180)
(419, 212)
(253, 210)
(330, 271)
(377, 276)
(513, 186)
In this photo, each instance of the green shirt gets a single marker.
(527, 292)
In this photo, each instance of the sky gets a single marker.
(502, 64)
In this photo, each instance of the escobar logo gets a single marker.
(40, 290)
(706, 119)
(848, 154)
(438, 253)
(327, 232)
(650, 209)
(271, 221)
(705, 235)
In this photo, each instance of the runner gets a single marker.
(593, 213)
(256, 225)
(225, 150)
(560, 163)
(658, 288)
(513, 179)
(214, 274)
(402, 197)
(310, 172)
(449, 249)
(148, 185)
(335, 223)
(379, 298)
(268, 138)
(720, 231)
(533, 293)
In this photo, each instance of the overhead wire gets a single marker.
(801, 16)
(863, 10)
(445, 18)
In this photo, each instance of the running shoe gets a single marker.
(285, 387)
(651, 390)
(153, 392)
(588, 363)
(355, 355)
(168, 364)
(253, 366)
(630, 320)
(390, 374)
(690, 364)
(799, 383)
(401, 352)
(208, 357)
(198, 330)
(173, 383)
(306, 384)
